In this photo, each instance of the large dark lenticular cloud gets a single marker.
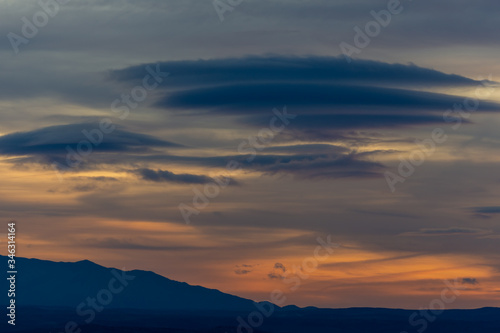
(328, 98)
(295, 69)
(327, 92)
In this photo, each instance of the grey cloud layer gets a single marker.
(421, 25)
(54, 143)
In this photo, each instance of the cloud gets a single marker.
(75, 147)
(243, 269)
(129, 244)
(98, 179)
(325, 124)
(307, 149)
(447, 232)
(56, 140)
(167, 176)
(309, 97)
(280, 266)
(472, 281)
(276, 69)
(345, 265)
(240, 271)
(84, 188)
(48, 145)
(306, 166)
(326, 165)
(317, 167)
(273, 276)
(278, 269)
(487, 210)
(326, 92)
(263, 25)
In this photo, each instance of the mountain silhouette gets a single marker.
(56, 297)
(67, 284)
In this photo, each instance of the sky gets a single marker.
(214, 142)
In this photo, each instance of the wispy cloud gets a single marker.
(167, 176)
(447, 232)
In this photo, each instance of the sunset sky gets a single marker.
(170, 93)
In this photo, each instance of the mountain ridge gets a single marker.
(81, 279)
(49, 295)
